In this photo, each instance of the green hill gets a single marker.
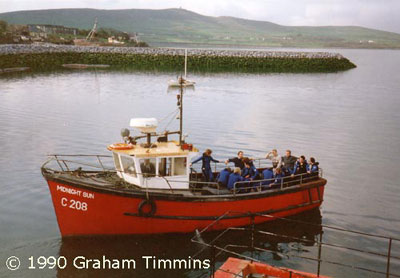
(183, 26)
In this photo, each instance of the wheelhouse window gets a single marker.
(179, 166)
(128, 165)
(164, 166)
(172, 166)
(148, 167)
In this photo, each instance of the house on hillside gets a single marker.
(134, 37)
(42, 30)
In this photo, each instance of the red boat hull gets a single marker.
(83, 210)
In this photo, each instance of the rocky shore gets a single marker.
(51, 48)
(48, 57)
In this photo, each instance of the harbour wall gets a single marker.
(50, 57)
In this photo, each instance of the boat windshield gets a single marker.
(128, 165)
(148, 167)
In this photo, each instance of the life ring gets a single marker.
(147, 208)
(120, 146)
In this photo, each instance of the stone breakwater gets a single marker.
(30, 49)
(51, 57)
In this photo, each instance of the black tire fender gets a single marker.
(143, 204)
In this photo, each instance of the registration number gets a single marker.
(74, 204)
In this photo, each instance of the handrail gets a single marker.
(319, 242)
(289, 179)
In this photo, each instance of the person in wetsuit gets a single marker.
(249, 172)
(234, 177)
(300, 167)
(206, 159)
(223, 177)
(312, 166)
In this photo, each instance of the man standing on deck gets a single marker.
(288, 161)
(275, 158)
(238, 161)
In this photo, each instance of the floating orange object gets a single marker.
(234, 267)
(120, 146)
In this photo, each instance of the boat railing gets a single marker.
(75, 162)
(273, 183)
(65, 164)
(219, 246)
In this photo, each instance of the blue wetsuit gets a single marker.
(233, 178)
(206, 166)
(223, 177)
(312, 168)
(251, 171)
(268, 175)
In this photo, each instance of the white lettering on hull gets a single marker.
(75, 192)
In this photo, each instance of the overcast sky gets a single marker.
(378, 14)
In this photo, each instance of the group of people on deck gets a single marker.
(245, 171)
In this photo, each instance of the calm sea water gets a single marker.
(349, 121)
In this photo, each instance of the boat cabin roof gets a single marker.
(157, 149)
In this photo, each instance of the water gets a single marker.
(349, 121)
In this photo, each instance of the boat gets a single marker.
(10, 70)
(85, 66)
(234, 267)
(182, 81)
(147, 186)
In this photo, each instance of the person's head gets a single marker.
(246, 162)
(288, 153)
(228, 169)
(208, 152)
(278, 171)
(240, 154)
(237, 170)
(274, 152)
(312, 160)
(302, 159)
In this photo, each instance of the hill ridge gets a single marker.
(177, 25)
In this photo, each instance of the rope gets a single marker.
(172, 118)
(169, 115)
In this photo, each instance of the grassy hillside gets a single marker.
(182, 26)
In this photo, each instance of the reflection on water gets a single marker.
(349, 121)
(180, 247)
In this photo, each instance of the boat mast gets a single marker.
(185, 62)
(180, 103)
